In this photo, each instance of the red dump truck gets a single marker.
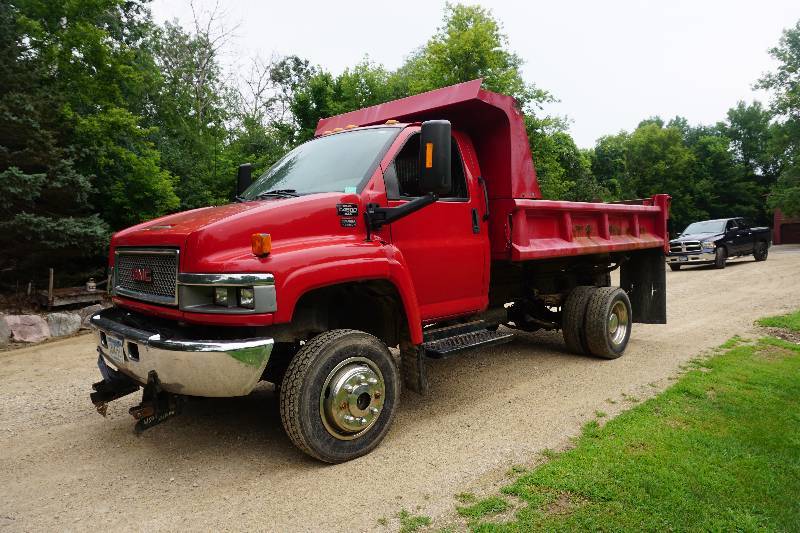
(417, 225)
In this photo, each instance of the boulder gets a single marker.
(62, 324)
(5, 332)
(87, 312)
(27, 328)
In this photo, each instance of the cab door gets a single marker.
(445, 245)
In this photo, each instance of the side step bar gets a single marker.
(445, 346)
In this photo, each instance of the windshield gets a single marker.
(707, 226)
(334, 163)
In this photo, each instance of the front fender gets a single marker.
(325, 266)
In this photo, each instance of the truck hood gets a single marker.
(217, 239)
(698, 237)
(172, 230)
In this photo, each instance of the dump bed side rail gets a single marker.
(525, 230)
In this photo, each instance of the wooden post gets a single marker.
(50, 292)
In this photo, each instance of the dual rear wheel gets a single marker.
(597, 321)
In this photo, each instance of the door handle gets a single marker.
(476, 227)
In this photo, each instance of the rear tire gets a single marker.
(339, 395)
(761, 251)
(674, 267)
(720, 257)
(608, 322)
(572, 319)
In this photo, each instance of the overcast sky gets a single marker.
(610, 63)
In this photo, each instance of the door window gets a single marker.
(402, 175)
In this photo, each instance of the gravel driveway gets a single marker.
(226, 464)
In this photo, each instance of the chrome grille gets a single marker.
(691, 246)
(686, 247)
(161, 265)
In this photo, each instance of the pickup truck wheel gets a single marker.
(608, 322)
(761, 251)
(674, 266)
(573, 316)
(720, 257)
(339, 395)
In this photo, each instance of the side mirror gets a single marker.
(434, 157)
(244, 178)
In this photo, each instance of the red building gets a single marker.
(787, 229)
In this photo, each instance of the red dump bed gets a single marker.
(522, 225)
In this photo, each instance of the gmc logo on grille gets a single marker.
(143, 275)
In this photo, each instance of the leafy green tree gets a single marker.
(191, 102)
(75, 160)
(608, 164)
(657, 160)
(785, 86)
(470, 44)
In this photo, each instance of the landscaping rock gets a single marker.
(62, 324)
(27, 328)
(5, 333)
(87, 312)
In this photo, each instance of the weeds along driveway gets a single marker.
(226, 464)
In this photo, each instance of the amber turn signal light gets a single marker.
(261, 244)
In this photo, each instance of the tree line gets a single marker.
(108, 119)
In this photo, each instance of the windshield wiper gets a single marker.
(281, 193)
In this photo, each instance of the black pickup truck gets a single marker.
(714, 241)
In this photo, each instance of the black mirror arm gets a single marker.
(377, 216)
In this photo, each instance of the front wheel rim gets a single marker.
(618, 324)
(352, 398)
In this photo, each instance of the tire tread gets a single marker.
(574, 316)
(596, 322)
(290, 396)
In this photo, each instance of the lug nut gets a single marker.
(373, 410)
(372, 381)
(348, 388)
(362, 421)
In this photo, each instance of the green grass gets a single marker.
(487, 506)
(790, 321)
(410, 522)
(717, 451)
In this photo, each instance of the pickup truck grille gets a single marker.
(147, 274)
(686, 247)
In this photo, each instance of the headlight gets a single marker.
(709, 245)
(221, 296)
(247, 297)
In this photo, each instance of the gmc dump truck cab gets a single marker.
(417, 225)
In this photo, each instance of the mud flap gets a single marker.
(643, 276)
(157, 405)
(412, 367)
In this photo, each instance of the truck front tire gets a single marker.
(608, 322)
(761, 251)
(339, 395)
(720, 257)
(573, 315)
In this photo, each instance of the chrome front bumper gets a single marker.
(215, 368)
(688, 259)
